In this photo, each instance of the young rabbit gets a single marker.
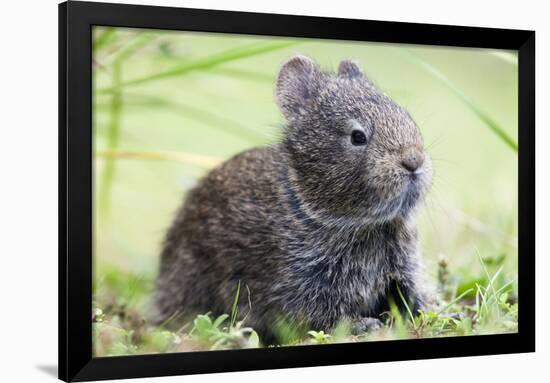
(320, 227)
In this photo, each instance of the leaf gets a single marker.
(503, 297)
(253, 340)
(202, 324)
(219, 320)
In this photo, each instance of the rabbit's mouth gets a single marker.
(415, 176)
(416, 184)
(412, 187)
(413, 191)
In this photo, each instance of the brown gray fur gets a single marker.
(318, 227)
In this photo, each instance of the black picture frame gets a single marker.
(75, 190)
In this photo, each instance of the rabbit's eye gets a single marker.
(358, 138)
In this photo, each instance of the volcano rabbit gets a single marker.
(319, 227)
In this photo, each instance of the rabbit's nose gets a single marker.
(412, 159)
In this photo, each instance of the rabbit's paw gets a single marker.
(366, 324)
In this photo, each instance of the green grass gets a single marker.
(211, 61)
(120, 328)
(168, 106)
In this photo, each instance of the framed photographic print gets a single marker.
(246, 191)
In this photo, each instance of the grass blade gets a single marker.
(112, 141)
(504, 286)
(453, 301)
(189, 158)
(245, 74)
(209, 62)
(234, 309)
(203, 116)
(139, 41)
(489, 122)
(411, 316)
(490, 280)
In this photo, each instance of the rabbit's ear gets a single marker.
(349, 69)
(295, 85)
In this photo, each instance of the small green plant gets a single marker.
(211, 332)
(319, 337)
(217, 336)
(204, 329)
(492, 311)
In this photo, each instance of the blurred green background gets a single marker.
(168, 106)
